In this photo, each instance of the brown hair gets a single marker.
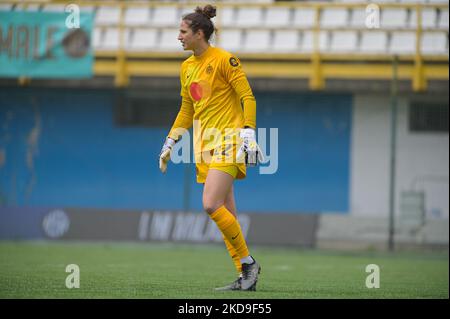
(201, 20)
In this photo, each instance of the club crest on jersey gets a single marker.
(209, 69)
(233, 61)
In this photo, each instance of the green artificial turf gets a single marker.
(144, 270)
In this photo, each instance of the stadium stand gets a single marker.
(231, 39)
(249, 17)
(304, 17)
(266, 28)
(107, 16)
(277, 17)
(157, 18)
(402, 43)
(334, 18)
(285, 40)
(434, 43)
(373, 42)
(344, 41)
(257, 41)
(165, 17)
(137, 16)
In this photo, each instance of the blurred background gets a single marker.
(358, 91)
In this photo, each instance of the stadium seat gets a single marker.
(249, 17)
(165, 17)
(334, 18)
(394, 18)
(429, 19)
(87, 8)
(53, 8)
(388, 1)
(97, 35)
(371, 1)
(350, 1)
(307, 42)
(226, 17)
(184, 10)
(304, 18)
(137, 16)
(343, 41)
(230, 39)
(169, 40)
(257, 41)
(412, 1)
(277, 17)
(107, 15)
(143, 39)
(44, 8)
(358, 18)
(373, 42)
(403, 43)
(110, 39)
(443, 20)
(434, 43)
(285, 41)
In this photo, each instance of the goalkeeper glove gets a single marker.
(164, 156)
(249, 148)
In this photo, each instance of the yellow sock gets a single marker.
(231, 230)
(234, 255)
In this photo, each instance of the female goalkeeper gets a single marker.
(218, 101)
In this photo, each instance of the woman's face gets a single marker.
(188, 39)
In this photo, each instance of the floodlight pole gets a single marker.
(394, 96)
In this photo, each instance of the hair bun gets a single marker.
(209, 11)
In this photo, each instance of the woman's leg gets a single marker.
(231, 206)
(217, 186)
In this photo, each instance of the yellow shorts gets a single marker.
(220, 160)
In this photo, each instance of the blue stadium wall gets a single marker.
(61, 148)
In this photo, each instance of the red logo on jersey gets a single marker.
(200, 90)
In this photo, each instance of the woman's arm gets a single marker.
(234, 75)
(248, 102)
(184, 119)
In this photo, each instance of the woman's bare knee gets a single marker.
(215, 191)
(211, 206)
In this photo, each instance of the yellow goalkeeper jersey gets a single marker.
(216, 99)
